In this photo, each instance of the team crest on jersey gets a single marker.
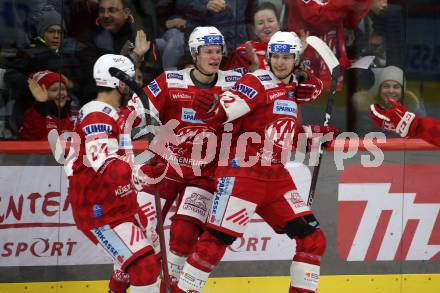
(265, 77)
(281, 132)
(232, 78)
(154, 88)
(173, 75)
(246, 90)
(97, 128)
(193, 134)
(188, 115)
(284, 107)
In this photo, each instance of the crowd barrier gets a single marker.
(382, 225)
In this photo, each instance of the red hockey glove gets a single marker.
(208, 109)
(204, 103)
(309, 90)
(396, 118)
(317, 130)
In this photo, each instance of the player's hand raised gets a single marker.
(396, 118)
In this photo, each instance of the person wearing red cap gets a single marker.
(55, 113)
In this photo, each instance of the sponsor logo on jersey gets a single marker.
(188, 115)
(154, 88)
(174, 75)
(235, 163)
(97, 128)
(291, 94)
(246, 90)
(389, 219)
(123, 190)
(224, 191)
(297, 204)
(284, 107)
(181, 96)
(265, 77)
(197, 203)
(107, 110)
(98, 232)
(232, 78)
(125, 141)
(273, 95)
(98, 212)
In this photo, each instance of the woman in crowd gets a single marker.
(252, 54)
(389, 83)
(56, 113)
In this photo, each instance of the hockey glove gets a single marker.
(208, 109)
(396, 118)
(205, 103)
(308, 90)
(316, 131)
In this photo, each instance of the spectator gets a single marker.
(117, 35)
(231, 17)
(171, 43)
(389, 83)
(266, 22)
(382, 34)
(56, 113)
(48, 51)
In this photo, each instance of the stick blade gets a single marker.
(324, 51)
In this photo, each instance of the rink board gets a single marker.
(382, 225)
(328, 284)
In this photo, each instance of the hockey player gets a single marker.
(101, 192)
(171, 95)
(263, 103)
(406, 124)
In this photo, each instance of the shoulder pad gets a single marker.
(97, 106)
(266, 77)
(178, 78)
(227, 78)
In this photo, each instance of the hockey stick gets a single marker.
(333, 65)
(125, 78)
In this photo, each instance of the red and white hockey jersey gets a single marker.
(326, 19)
(264, 113)
(171, 96)
(100, 188)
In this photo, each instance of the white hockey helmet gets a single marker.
(102, 75)
(284, 42)
(205, 36)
